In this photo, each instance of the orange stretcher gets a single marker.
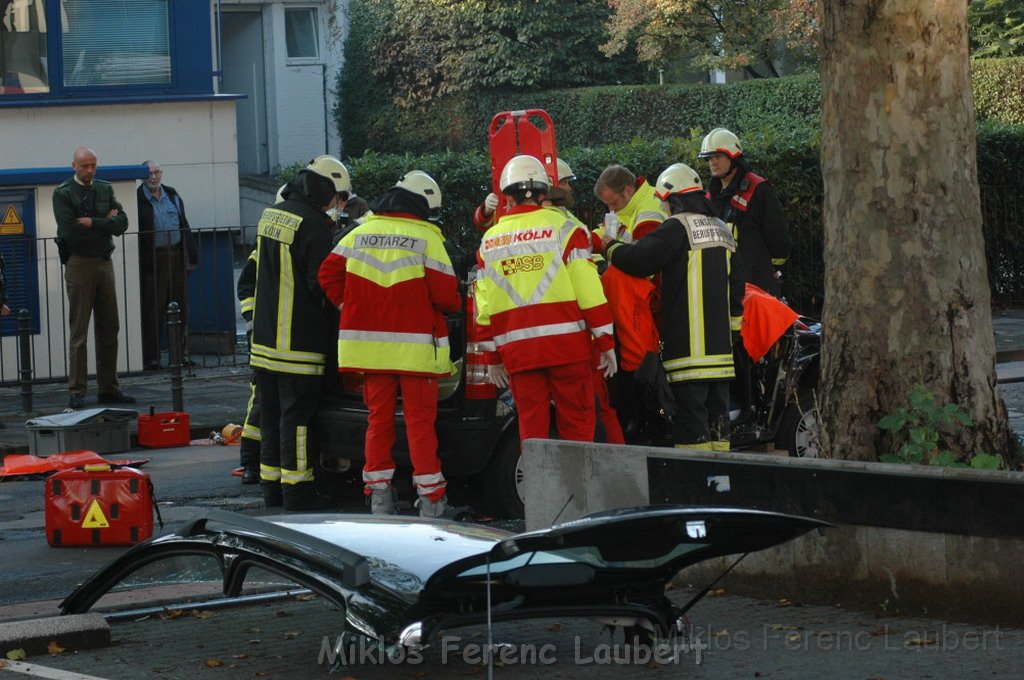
(529, 132)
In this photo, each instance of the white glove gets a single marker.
(607, 363)
(497, 374)
(490, 203)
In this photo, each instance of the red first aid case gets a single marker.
(99, 505)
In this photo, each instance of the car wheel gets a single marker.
(800, 430)
(503, 480)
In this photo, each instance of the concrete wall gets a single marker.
(885, 569)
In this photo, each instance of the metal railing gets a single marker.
(35, 282)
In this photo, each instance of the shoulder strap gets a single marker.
(748, 185)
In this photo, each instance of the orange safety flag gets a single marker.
(765, 319)
(20, 464)
(629, 299)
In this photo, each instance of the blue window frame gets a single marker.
(104, 49)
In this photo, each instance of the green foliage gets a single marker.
(429, 49)
(997, 28)
(999, 89)
(925, 426)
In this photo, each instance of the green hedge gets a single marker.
(999, 90)
(585, 116)
(789, 160)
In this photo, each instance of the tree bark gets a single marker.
(906, 288)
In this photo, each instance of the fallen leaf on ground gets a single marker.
(555, 627)
(251, 630)
(306, 597)
(16, 654)
(783, 602)
(877, 632)
(3, 663)
(171, 614)
(917, 642)
(717, 592)
(781, 627)
(240, 656)
(54, 648)
(292, 634)
(214, 663)
(204, 614)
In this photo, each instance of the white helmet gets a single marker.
(565, 173)
(422, 184)
(524, 172)
(720, 140)
(678, 178)
(331, 168)
(280, 193)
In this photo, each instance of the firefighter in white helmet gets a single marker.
(540, 307)
(293, 327)
(749, 205)
(691, 250)
(393, 281)
(560, 195)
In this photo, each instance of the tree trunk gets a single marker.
(906, 288)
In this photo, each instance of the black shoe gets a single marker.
(77, 401)
(250, 476)
(115, 398)
(306, 498)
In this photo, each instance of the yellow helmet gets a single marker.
(565, 173)
(678, 178)
(720, 140)
(419, 182)
(333, 169)
(524, 173)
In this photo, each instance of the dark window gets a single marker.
(300, 33)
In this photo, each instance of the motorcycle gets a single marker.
(778, 408)
(783, 409)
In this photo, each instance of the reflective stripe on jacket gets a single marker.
(393, 281)
(539, 299)
(291, 322)
(641, 215)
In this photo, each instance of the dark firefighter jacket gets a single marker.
(692, 252)
(751, 207)
(293, 324)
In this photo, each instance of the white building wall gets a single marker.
(195, 144)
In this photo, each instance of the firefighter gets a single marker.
(540, 307)
(393, 281)
(749, 205)
(560, 194)
(292, 329)
(692, 251)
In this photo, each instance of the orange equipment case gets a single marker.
(530, 132)
(99, 505)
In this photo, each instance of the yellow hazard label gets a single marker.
(94, 518)
(12, 223)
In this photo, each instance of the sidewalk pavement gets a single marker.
(213, 397)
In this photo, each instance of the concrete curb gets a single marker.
(74, 632)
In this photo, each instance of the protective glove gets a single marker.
(490, 204)
(607, 363)
(497, 374)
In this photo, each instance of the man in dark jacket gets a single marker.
(167, 251)
(293, 331)
(88, 216)
(691, 250)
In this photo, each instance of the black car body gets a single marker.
(402, 580)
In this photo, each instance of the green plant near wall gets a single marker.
(925, 423)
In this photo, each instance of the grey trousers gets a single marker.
(92, 293)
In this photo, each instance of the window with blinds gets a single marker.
(115, 42)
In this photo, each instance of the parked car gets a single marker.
(401, 581)
(477, 429)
